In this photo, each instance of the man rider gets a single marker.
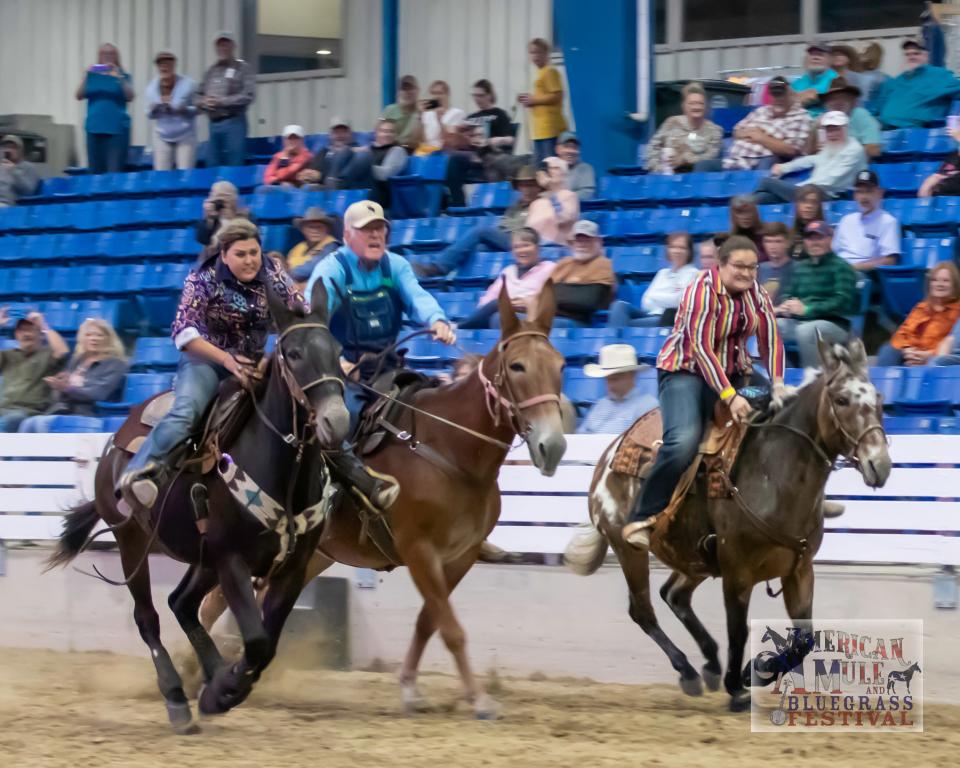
(369, 290)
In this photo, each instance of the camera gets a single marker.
(218, 205)
(8, 154)
(433, 104)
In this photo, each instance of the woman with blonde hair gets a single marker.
(919, 336)
(96, 372)
(439, 119)
(684, 140)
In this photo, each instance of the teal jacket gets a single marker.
(917, 98)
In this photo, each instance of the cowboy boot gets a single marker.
(377, 491)
(637, 533)
(142, 486)
(832, 509)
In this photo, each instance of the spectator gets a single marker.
(845, 61)
(920, 337)
(285, 166)
(96, 372)
(624, 403)
(327, 165)
(769, 134)
(707, 253)
(920, 95)
(440, 120)
(107, 88)
(584, 282)
(18, 177)
(372, 167)
(581, 179)
(949, 351)
(523, 279)
(684, 140)
(24, 390)
(222, 205)
(821, 296)
(486, 140)
(745, 220)
(774, 274)
(170, 104)
(545, 103)
(405, 113)
(808, 206)
(554, 212)
(834, 167)
(946, 181)
(871, 76)
(870, 238)
(496, 238)
(864, 127)
(816, 79)
(227, 91)
(660, 301)
(317, 228)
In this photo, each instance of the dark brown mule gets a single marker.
(444, 514)
(302, 399)
(780, 474)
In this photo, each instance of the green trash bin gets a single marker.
(720, 95)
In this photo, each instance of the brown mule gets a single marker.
(444, 514)
(770, 527)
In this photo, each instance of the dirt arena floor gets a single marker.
(97, 709)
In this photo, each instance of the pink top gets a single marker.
(554, 215)
(519, 287)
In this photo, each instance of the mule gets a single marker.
(770, 527)
(299, 412)
(449, 500)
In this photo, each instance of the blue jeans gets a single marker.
(456, 254)
(195, 387)
(36, 424)
(771, 191)
(10, 420)
(228, 141)
(544, 148)
(355, 400)
(945, 360)
(624, 315)
(804, 334)
(107, 152)
(889, 355)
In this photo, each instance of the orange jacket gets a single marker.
(925, 327)
(275, 174)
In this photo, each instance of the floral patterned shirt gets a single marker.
(231, 315)
(688, 146)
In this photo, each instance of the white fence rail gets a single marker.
(914, 519)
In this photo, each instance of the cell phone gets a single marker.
(101, 68)
(953, 122)
(433, 103)
(284, 162)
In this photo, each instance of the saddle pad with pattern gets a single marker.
(639, 445)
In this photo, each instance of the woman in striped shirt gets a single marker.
(705, 358)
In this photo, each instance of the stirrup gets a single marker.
(637, 533)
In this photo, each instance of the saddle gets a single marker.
(385, 416)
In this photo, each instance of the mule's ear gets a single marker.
(509, 324)
(546, 307)
(319, 302)
(827, 356)
(279, 310)
(858, 355)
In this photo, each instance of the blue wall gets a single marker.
(599, 43)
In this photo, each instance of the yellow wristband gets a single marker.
(728, 393)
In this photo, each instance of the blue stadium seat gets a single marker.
(11, 247)
(243, 177)
(646, 341)
(65, 423)
(929, 390)
(274, 204)
(581, 389)
(279, 237)
(197, 180)
(481, 268)
(948, 426)
(924, 252)
(888, 382)
(155, 354)
(901, 288)
(418, 192)
(112, 423)
(139, 387)
(637, 260)
(910, 425)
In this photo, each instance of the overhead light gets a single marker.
(324, 52)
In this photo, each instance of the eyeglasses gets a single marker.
(743, 267)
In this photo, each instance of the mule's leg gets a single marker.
(736, 601)
(635, 565)
(798, 599)
(232, 684)
(133, 545)
(413, 699)
(425, 567)
(184, 601)
(677, 592)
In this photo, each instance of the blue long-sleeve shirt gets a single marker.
(417, 303)
(917, 97)
(176, 121)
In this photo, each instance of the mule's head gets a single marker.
(850, 414)
(308, 357)
(532, 373)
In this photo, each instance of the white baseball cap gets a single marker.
(362, 213)
(835, 118)
(293, 130)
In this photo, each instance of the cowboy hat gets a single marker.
(525, 173)
(614, 358)
(315, 214)
(840, 85)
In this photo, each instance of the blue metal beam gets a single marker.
(391, 25)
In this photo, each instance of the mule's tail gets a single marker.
(77, 525)
(586, 551)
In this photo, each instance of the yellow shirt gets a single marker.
(301, 253)
(547, 121)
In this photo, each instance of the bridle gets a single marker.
(497, 404)
(299, 436)
(854, 442)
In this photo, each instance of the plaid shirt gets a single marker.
(827, 287)
(793, 127)
(711, 331)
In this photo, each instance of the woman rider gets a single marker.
(221, 329)
(703, 359)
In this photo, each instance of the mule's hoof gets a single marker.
(208, 703)
(692, 686)
(486, 708)
(740, 701)
(180, 719)
(710, 678)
